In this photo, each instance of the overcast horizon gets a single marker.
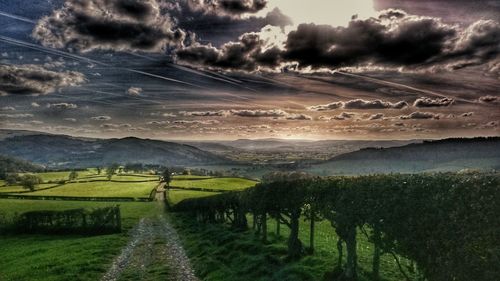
(232, 69)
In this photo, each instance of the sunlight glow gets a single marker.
(333, 12)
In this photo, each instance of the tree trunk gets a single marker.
(240, 219)
(311, 233)
(341, 253)
(351, 270)
(264, 227)
(294, 243)
(376, 254)
(254, 222)
(278, 226)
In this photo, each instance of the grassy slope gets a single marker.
(219, 253)
(18, 188)
(190, 177)
(101, 189)
(64, 257)
(216, 183)
(176, 196)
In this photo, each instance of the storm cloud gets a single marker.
(359, 104)
(429, 102)
(393, 40)
(421, 115)
(271, 113)
(120, 25)
(248, 54)
(34, 79)
(228, 7)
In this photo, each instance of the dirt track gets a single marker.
(154, 252)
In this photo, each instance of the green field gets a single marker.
(18, 188)
(175, 196)
(101, 189)
(58, 176)
(63, 257)
(190, 177)
(215, 183)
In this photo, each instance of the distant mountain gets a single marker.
(429, 156)
(279, 150)
(66, 151)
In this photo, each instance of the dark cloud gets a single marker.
(393, 40)
(325, 107)
(62, 106)
(110, 25)
(204, 113)
(489, 99)
(429, 102)
(248, 54)
(359, 104)
(259, 113)
(108, 126)
(375, 104)
(294, 116)
(219, 26)
(158, 123)
(344, 116)
(228, 7)
(271, 113)
(34, 79)
(101, 118)
(376, 116)
(421, 115)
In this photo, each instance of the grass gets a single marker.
(65, 257)
(63, 175)
(101, 189)
(190, 177)
(219, 253)
(18, 188)
(216, 183)
(175, 196)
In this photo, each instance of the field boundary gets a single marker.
(76, 198)
(29, 191)
(202, 189)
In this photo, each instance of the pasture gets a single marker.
(215, 183)
(100, 189)
(177, 195)
(64, 257)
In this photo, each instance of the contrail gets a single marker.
(84, 99)
(389, 83)
(81, 58)
(17, 17)
(118, 95)
(214, 76)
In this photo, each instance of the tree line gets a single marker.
(446, 224)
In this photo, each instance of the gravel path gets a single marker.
(153, 241)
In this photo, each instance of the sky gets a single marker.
(231, 69)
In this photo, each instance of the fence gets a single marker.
(74, 198)
(81, 221)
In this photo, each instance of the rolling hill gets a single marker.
(429, 156)
(66, 151)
